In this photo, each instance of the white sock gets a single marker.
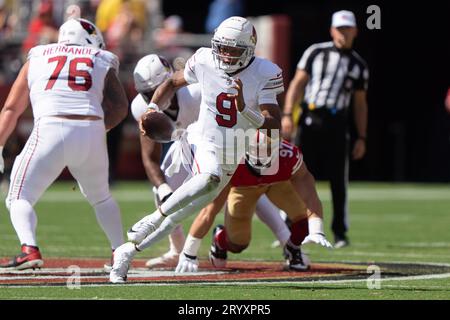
(192, 245)
(176, 239)
(109, 219)
(268, 213)
(24, 220)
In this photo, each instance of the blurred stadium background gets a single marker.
(408, 136)
(409, 128)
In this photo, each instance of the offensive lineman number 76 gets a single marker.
(73, 73)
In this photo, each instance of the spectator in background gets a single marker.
(219, 10)
(123, 23)
(329, 76)
(108, 10)
(7, 21)
(124, 33)
(42, 29)
(167, 42)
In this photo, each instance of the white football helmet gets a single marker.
(80, 32)
(150, 72)
(233, 44)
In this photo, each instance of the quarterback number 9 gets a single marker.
(226, 106)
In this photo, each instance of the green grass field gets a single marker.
(388, 223)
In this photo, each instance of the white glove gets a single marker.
(317, 238)
(164, 192)
(186, 264)
(2, 163)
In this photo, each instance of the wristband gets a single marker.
(287, 114)
(253, 116)
(362, 138)
(153, 106)
(191, 246)
(315, 225)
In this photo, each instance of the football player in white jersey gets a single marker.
(149, 73)
(239, 92)
(76, 97)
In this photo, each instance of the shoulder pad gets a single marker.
(110, 58)
(268, 69)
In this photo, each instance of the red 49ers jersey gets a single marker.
(291, 158)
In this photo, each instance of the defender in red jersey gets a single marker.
(291, 189)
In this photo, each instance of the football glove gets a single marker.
(186, 264)
(318, 238)
(164, 192)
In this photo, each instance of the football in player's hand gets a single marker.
(157, 126)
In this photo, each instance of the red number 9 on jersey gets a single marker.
(227, 109)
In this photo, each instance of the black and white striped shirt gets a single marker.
(333, 75)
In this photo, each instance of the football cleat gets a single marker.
(217, 255)
(123, 256)
(141, 229)
(168, 259)
(276, 244)
(295, 259)
(30, 258)
(341, 244)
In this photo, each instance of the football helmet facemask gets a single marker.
(233, 44)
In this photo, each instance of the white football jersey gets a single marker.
(189, 99)
(68, 80)
(262, 82)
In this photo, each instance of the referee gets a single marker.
(329, 76)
